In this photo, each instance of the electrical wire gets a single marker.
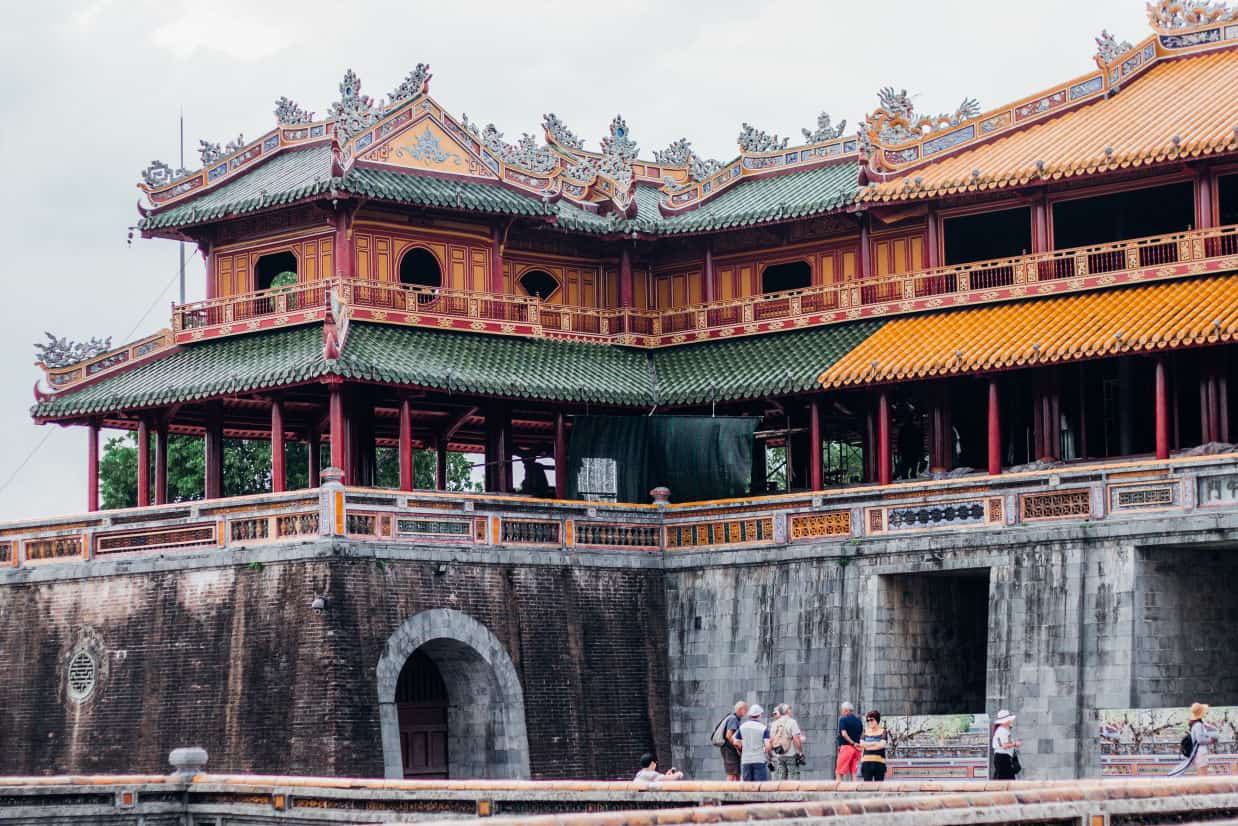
(26, 461)
(161, 294)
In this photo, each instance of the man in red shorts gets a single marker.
(850, 730)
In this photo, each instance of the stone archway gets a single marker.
(485, 714)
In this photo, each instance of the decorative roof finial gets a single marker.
(353, 112)
(1108, 49)
(619, 143)
(752, 139)
(559, 131)
(1181, 14)
(235, 145)
(824, 131)
(895, 120)
(417, 82)
(680, 153)
(526, 152)
(61, 352)
(289, 112)
(209, 152)
(160, 174)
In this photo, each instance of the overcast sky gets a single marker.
(91, 90)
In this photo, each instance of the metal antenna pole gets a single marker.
(182, 243)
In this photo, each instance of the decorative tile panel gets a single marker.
(530, 532)
(1059, 504)
(819, 525)
(725, 532)
(159, 539)
(1144, 496)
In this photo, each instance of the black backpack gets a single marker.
(1187, 745)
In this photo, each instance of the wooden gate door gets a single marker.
(421, 699)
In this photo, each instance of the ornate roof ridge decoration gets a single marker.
(417, 82)
(558, 132)
(62, 352)
(825, 131)
(752, 139)
(1109, 49)
(289, 113)
(354, 112)
(526, 152)
(159, 174)
(1167, 15)
(680, 153)
(896, 121)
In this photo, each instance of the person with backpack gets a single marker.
(724, 738)
(1197, 742)
(1004, 745)
(787, 742)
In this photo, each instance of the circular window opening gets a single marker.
(419, 268)
(539, 283)
(82, 674)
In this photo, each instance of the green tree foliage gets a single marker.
(247, 469)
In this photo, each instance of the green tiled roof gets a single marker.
(773, 364)
(543, 369)
(198, 371)
(293, 175)
(496, 365)
(287, 177)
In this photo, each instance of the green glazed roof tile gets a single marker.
(450, 193)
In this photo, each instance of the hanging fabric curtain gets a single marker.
(621, 458)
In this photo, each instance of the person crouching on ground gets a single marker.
(649, 771)
(1202, 735)
(850, 730)
(788, 744)
(753, 736)
(1004, 746)
(730, 749)
(873, 744)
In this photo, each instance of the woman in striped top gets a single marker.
(873, 744)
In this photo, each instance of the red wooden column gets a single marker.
(345, 260)
(1162, 409)
(995, 429)
(560, 456)
(1203, 199)
(143, 462)
(866, 265)
(313, 458)
(1040, 224)
(279, 469)
(710, 287)
(499, 448)
(92, 466)
(931, 240)
(337, 427)
(495, 276)
(870, 444)
(816, 476)
(626, 294)
(406, 444)
(883, 438)
(941, 433)
(214, 451)
(440, 463)
(161, 460)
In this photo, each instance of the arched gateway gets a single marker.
(486, 734)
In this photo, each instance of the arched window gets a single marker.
(793, 275)
(419, 268)
(269, 266)
(539, 283)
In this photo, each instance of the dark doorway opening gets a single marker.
(421, 699)
(793, 275)
(419, 268)
(539, 283)
(269, 266)
(987, 235)
(932, 650)
(1136, 213)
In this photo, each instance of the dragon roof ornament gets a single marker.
(825, 131)
(1181, 14)
(1109, 49)
(289, 113)
(895, 121)
(680, 153)
(353, 112)
(160, 174)
(526, 152)
(61, 352)
(209, 152)
(559, 131)
(417, 82)
(752, 139)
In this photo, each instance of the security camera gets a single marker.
(319, 604)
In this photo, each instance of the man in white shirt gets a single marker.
(787, 742)
(753, 736)
(1004, 746)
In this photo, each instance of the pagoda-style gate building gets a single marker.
(986, 342)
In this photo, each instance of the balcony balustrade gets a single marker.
(978, 505)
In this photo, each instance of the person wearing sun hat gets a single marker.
(1200, 736)
(1004, 746)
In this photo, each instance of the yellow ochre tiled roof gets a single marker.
(1193, 99)
(1068, 328)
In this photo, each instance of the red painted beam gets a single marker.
(816, 475)
(995, 430)
(279, 474)
(406, 444)
(92, 466)
(143, 462)
(883, 438)
(1162, 409)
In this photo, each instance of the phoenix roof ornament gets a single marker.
(209, 152)
(353, 112)
(417, 82)
(559, 131)
(752, 139)
(1109, 49)
(825, 131)
(289, 113)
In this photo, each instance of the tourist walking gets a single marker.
(873, 744)
(724, 739)
(1197, 744)
(787, 742)
(649, 771)
(850, 730)
(753, 737)
(1005, 761)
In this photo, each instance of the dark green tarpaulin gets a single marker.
(624, 457)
